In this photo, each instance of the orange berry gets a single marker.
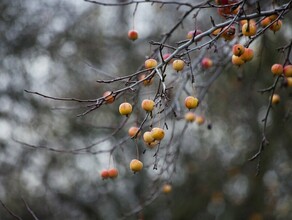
(227, 11)
(190, 116)
(104, 174)
(287, 70)
(289, 81)
(247, 55)
(276, 26)
(166, 188)
(249, 29)
(242, 22)
(277, 69)
(275, 99)
(200, 119)
(217, 31)
(273, 17)
(229, 33)
(235, 11)
(265, 22)
(133, 131)
(238, 49)
(191, 102)
(113, 173)
(150, 63)
(148, 105)
(157, 133)
(146, 82)
(237, 60)
(132, 35)
(108, 98)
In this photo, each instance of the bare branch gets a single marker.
(29, 209)
(10, 212)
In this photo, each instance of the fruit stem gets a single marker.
(137, 149)
(109, 160)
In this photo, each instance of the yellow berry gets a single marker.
(150, 63)
(148, 105)
(190, 116)
(157, 133)
(178, 65)
(136, 165)
(249, 29)
(125, 108)
(191, 102)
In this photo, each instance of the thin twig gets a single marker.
(30, 210)
(10, 212)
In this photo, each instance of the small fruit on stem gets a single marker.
(287, 70)
(237, 60)
(150, 63)
(288, 81)
(146, 82)
(133, 131)
(277, 69)
(242, 22)
(229, 33)
(136, 165)
(249, 28)
(200, 120)
(132, 35)
(147, 137)
(194, 33)
(152, 144)
(148, 105)
(227, 11)
(104, 174)
(125, 108)
(190, 116)
(228, 7)
(238, 49)
(275, 99)
(273, 17)
(206, 63)
(247, 55)
(166, 188)
(157, 133)
(191, 102)
(113, 173)
(178, 65)
(265, 22)
(108, 97)
(276, 26)
(217, 31)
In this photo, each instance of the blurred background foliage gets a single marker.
(51, 46)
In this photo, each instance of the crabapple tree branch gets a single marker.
(177, 83)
